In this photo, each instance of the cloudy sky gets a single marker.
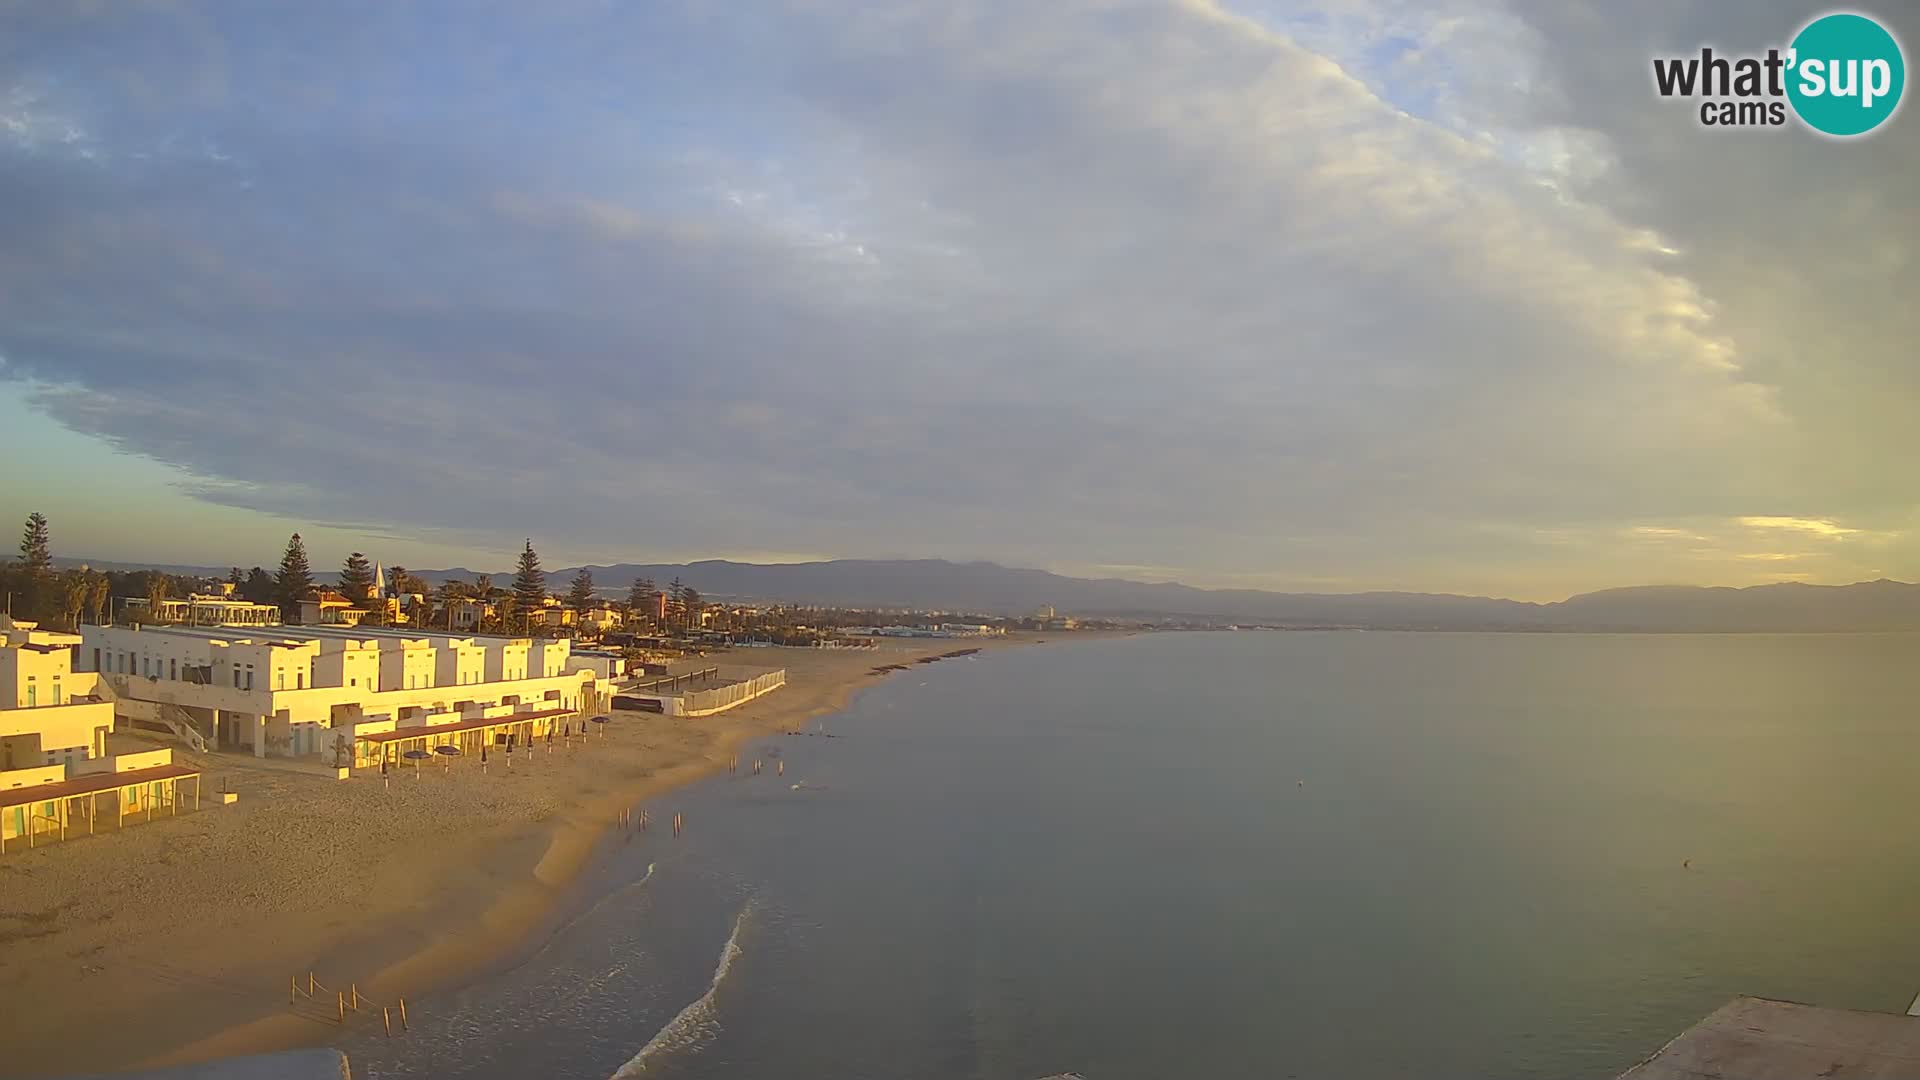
(1341, 295)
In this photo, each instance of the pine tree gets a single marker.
(529, 582)
(580, 592)
(36, 554)
(690, 604)
(676, 600)
(356, 578)
(640, 598)
(295, 580)
(235, 579)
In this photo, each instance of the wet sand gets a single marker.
(176, 940)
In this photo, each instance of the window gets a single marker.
(173, 669)
(299, 680)
(56, 689)
(33, 693)
(249, 678)
(236, 678)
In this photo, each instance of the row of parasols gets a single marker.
(448, 751)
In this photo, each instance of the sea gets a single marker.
(1262, 854)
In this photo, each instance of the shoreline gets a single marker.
(438, 907)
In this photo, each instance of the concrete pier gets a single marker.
(1760, 1039)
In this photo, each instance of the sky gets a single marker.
(1359, 294)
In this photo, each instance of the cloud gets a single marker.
(1216, 289)
(1820, 527)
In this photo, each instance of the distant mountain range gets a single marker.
(989, 588)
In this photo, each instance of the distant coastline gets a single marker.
(991, 589)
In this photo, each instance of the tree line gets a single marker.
(35, 589)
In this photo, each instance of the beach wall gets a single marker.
(722, 698)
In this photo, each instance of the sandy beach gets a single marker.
(175, 940)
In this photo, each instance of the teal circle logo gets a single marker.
(1846, 74)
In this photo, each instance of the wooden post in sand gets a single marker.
(403, 1015)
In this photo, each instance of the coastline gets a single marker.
(178, 969)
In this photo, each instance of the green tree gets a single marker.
(640, 598)
(36, 552)
(356, 578)
(294, 582)
(76, 586)
(159, 591)
(236, 579)
(98, 591)
(676, 600)
(580, 591)
(690, 604)
(258, 588)
(529, 582)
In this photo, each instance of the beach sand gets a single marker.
(175, 941)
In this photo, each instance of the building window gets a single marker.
(236, 678)
(249, 678)
(56, 690)
(173, 669)
(299, 680)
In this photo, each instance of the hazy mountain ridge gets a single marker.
(994, 589)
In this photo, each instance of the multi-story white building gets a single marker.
(49, 713)
(308, 689)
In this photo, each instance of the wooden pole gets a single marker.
(403, 1015)
(340, 1000)
(386, 1017)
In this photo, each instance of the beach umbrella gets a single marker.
(602, 720)
(449, 752)
(416, 756)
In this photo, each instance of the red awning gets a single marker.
(88, 785)
(431, 730)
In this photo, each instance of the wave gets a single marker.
(699, 1020)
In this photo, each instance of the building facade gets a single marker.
(304, 690)
(50, 715)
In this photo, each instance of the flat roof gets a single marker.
(1761, 1039)
(402, 632)
(259, 635)
(430, 730)
(88, 785)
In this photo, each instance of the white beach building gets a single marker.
(292, 691)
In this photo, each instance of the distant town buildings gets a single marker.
(215, 607)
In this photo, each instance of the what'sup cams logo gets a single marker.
(1842, 75)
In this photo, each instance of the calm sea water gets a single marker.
(1281, 854)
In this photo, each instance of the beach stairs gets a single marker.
(181, 723)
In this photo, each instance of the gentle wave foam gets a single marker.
(699, 1020)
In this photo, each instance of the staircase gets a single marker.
(181, 723)
(175, 719)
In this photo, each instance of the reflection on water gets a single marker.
(1325, 854)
